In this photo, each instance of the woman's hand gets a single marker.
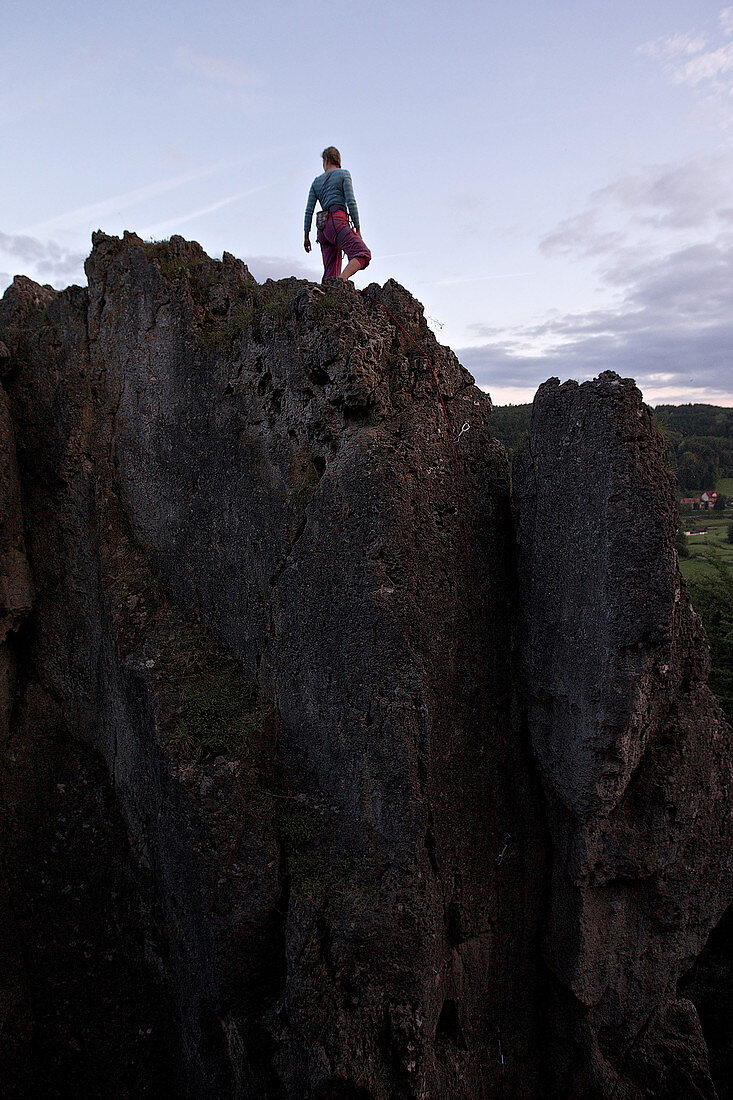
(307, 243)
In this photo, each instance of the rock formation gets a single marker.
(326, 769)
(633, 750)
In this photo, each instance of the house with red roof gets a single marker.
(708, 499)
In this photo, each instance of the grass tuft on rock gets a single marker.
(173, 265)
(220, 711)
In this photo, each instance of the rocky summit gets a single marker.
(337, 759)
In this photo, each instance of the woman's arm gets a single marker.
(309, 208)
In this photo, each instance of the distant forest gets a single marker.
(699, 437)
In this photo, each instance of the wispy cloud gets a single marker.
(237, 82)
(674, 47)
(702, 61)
(682, 195)
(653, 210)
(229, 71)
(580, 235)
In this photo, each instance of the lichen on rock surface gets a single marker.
(399, 802)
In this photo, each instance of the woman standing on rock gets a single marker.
(335, 192)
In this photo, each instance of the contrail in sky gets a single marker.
(114, 204)
(118, 202)
(153, 230)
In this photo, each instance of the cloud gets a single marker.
(280, 267)
(486, 332)
(683, 195)
(219, 69)
(233, 80)
(661, 242)
(467, 200)
(674, 47)
(47, 260)
(673, 329)
(672, 198)
(702, 61)
(580, 235)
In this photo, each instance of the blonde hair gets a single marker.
(332, 155)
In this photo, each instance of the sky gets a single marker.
(552, 179)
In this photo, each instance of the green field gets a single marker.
(710, 584)
(724, 485)
(715, 538)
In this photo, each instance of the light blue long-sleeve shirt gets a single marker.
(332, 188)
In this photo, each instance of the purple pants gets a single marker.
(336, 237)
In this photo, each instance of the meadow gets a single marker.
(714, 538)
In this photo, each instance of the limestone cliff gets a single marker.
(327, 770)
(634, 751)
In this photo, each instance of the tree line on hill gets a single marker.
(699, 438)
(700, 441)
